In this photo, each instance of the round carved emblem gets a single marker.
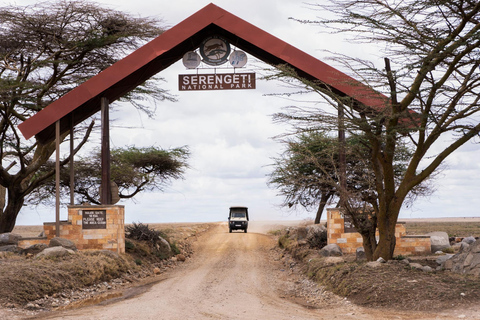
(215, 50)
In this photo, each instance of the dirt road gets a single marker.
(231, 276)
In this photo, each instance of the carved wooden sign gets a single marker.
(94, 219)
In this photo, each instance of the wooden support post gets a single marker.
(57, 178)
(106, 193)
(342, 166)
(72, 171)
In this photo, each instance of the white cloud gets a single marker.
(229, 132)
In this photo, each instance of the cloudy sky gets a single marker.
(229, 133)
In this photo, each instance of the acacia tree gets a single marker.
(430, 74)
(45, 51)
(303, 172)
(307, 174)
(133, 170)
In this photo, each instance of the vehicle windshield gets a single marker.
(238, 214)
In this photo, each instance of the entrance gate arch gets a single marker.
(123, 76)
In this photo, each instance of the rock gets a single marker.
(331, 250)
(427, 269)
(360, 254)
(374, 264)
(302, 242)
(34, 249)
(439, 240)
(156, 270)
(163, 247)
(416, 265)
(467, 261)
(9, 238)
(31, 306)
(463, 246)
(456, 246)
(405, 262)
(54, 252)
(62, 242)
(333, 260)
(448, 265)
(442, 259)
(181, 257)
(10, 248)
(301, 233)
(469, 240)
(381, 260)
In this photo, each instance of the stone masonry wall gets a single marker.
(350, 241)
(107, 236)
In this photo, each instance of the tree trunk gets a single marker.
(8, 216)
(386, 229)
(3, 194)
(369, 245)
(368, 230)
(323, 202)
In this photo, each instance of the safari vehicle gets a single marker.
(238, 219)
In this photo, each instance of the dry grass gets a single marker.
(394, 285)
(24, 280)
(454, 229)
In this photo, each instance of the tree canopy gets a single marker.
(430, 72)
(47, 49)
(133, 170)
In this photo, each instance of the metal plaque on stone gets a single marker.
(94, 219)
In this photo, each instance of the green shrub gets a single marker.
(129, 245)
(174, 248)
(284, 241)
(448, 250)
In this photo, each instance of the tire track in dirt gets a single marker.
(232, 276)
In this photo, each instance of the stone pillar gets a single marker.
(97, 227)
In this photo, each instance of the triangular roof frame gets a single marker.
(157, 55)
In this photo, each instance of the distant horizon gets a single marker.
(438, 219)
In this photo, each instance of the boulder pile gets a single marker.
(57, 247)
(467, 260)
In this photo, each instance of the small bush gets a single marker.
(147, 240)
(129, 245)
(448, 250)
(317, 239)
(275, 232)
(284, 241)
(174, 248)
(142, 232)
